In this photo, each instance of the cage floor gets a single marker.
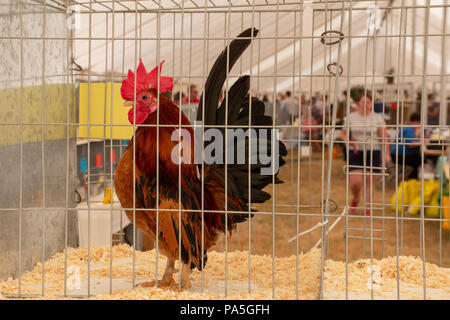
(384, 277)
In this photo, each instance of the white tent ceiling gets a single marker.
(190, 37)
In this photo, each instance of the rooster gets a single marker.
(187, 234)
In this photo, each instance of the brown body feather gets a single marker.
(169, 198)
(245, 182)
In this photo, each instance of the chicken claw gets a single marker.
(167, 279)
(164, 283)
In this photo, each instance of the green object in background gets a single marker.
(439, 169)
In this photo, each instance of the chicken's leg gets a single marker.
(167, 279)
(185, 277)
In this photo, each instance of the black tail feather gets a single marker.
(236, 109)
(218, 75)
(235, 96)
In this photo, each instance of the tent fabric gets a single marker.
(190, 37)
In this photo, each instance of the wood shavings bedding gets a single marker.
(214, 275)
(384, 277)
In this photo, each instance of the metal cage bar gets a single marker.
(315, 62)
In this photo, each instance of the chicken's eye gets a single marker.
(144, 97)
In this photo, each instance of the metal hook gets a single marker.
(77, 66)
(323, 37)
(76, 197)
(332, 205)
(339, 67)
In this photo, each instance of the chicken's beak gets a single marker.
(128, 104)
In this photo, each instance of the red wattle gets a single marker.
(141, 114)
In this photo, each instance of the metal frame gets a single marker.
(332, 85)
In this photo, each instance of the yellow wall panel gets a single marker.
(98, 114)
(58, 98)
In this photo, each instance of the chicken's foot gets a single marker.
(167, 282)
(167, 279)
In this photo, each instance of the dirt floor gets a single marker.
(272, 233)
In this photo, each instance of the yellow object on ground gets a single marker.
(409, 194)
(445, 212)
(108, 199)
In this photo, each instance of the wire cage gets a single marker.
(64, 130)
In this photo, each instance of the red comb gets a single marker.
(145, 81)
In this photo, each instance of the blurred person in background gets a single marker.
(193, 94)
(448, 111)
(290, 107)
(311, 129)
(366, 132)
(433, 111)
(327, 110)
(342, 107)
(282, 116)
(179, 98)
(407, 146)
(318, 108)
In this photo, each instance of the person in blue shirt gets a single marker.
(408, 145)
